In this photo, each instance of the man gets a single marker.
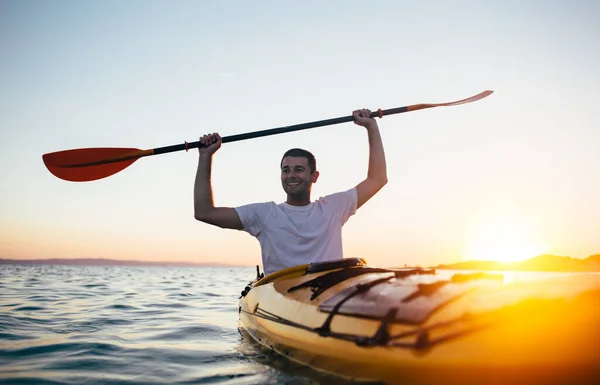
(297, 231)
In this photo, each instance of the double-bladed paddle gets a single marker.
(87, 164)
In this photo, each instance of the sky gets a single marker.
(508, 177)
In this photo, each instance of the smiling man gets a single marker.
(297, 231)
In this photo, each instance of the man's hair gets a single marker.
(298, 152)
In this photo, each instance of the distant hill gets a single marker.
(594, 258)
(108, 262)
(540, 263)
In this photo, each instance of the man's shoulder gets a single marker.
(349, 191)
(258, 204)
(256, 207)
(339, 195)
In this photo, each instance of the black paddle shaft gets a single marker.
(278, 130)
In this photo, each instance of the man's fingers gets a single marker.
(209, 139)
(363, 113)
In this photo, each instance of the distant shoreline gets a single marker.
(542, 263)
(111, 262)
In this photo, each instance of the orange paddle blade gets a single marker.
(87, 164)
(463, 101)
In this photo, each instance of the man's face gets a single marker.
(296, 177)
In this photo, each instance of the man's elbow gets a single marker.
(376, 183)
(201, 215)
(206, 217)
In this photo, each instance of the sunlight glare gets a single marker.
(502, 241)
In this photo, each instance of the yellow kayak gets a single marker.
(416, 326)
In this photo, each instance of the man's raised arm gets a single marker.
(204, 208)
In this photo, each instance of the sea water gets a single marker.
(131, 325)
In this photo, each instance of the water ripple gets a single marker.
(126, 325)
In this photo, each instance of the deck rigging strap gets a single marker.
(361, 288)
(324, 282)
(381, 337)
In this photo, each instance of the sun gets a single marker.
(502, 241)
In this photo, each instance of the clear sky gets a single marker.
(508, 177)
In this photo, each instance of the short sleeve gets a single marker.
(342, 203)
(253, 216)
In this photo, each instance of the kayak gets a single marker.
(419, 326)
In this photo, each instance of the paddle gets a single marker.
(87, 164)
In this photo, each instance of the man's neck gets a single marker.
(292, 201)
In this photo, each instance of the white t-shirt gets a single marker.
(295, 235)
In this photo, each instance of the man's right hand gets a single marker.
(211, 143)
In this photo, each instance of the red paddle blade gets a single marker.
(456, 103)
(87, 164)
